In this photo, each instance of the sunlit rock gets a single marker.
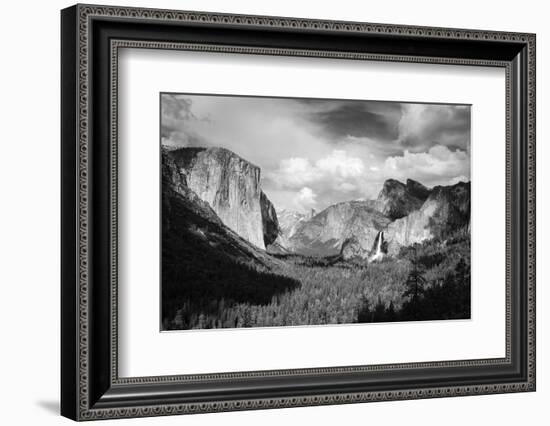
(231, 186)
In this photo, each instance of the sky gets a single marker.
(315, 152)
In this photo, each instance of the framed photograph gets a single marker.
(263, 212)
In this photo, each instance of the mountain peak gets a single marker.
(413, 183)
(417, 188)
(186, 155)
(398, 199)
(446, 209)
(392, 183)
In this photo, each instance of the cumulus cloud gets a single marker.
(295, 172)
(340, 177)
(335, 177)
(339, 164)
(438, 166)
(305, 199)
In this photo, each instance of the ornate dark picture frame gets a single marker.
(90, 385)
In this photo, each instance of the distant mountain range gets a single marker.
(224, 189)
(324, 233)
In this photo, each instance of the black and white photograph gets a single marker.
(295, 211)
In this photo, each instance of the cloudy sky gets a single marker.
(314, 153)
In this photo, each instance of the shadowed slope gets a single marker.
(203, 261)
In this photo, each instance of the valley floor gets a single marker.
(328, 295)
(427, 281)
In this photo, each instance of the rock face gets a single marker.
(397, 200)
(446, 209)
(451, 207)
(270, 224)
(187, 217)
(231, 186)
(369, 229)
(353, 251)
(325, 233)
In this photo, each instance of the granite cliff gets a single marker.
(397, 199)
(231, 187)
(446, 209)
(185, 217)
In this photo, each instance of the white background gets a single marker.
(146, 352)
(29, 225)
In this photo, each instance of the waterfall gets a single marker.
(378, 254)
(379, 246)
